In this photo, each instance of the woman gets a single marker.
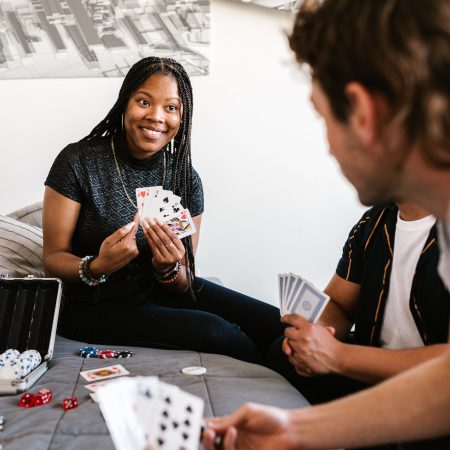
(133, 285)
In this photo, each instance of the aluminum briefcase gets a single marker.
(29, 309)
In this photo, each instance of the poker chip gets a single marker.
(124, 354)
(89, 352)
(194, 370)
(107, 354)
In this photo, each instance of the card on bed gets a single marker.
(103, 373)
(93, 387)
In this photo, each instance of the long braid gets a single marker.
(181, 179)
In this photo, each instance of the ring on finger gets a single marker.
(169, 245)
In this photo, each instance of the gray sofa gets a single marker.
(227, 384)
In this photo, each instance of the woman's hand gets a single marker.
(117, 250)
(167, 249)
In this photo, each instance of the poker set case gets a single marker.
(29, 309)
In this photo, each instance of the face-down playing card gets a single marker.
(308, 302)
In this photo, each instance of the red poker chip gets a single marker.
(107, 354)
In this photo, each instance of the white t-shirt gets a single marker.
(399, 329)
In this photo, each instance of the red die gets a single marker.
(70, 403)
(45, 395)
(27, 400)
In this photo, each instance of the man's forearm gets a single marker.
(372, 365)
(411, 406)
(335, 317)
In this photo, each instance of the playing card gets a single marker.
(177, 420)
(145, 196)
(182, 224)
(308, 302)
(103, 373)
(93, 387)
(161, 205)
(280, 292)
(117, 403)
(146, 398)
(294, 284)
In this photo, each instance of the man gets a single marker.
(387, 284)
(380, 81)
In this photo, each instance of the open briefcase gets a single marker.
(29, 309)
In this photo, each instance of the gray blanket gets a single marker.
(227, 384)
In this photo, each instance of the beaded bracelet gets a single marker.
(85, 273)
(170, 276)
(166, 273)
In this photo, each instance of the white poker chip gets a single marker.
(194, 370)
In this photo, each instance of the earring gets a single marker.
(172, 146)
(123, 125)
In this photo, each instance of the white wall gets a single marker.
(275, 200)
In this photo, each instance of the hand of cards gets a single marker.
(298, 296)
(156, 202)
(145, 411)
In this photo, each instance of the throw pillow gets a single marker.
(20, 249)
(30, 214)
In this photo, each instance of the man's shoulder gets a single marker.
(374, 219)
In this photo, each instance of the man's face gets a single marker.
(366, 166)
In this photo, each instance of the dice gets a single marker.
(45, 395)
(27, 400)
(70, 403)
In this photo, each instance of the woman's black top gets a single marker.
(86, 173)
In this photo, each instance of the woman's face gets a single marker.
(152, 116)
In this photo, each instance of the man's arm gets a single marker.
(317, 350)
(341, 309)
(372, 365)
(411, 406)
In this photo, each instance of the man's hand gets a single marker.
(252, 427)
(312, 349)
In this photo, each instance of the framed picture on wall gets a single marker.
(284, 5)
(100, 38)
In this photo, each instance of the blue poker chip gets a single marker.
(89, 352)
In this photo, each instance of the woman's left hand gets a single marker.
(167, 249)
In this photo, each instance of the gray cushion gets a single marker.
(227, 384)
(20, 249)
(31, 214)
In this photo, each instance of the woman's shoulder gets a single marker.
(85, 150)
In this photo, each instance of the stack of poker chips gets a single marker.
(15, 365)
(93, 352)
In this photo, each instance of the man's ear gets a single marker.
(366, 111)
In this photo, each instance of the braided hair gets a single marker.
(181, 180)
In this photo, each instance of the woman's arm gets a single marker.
(60, 216)
(59, 219)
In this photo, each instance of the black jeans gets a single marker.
(219, 321)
